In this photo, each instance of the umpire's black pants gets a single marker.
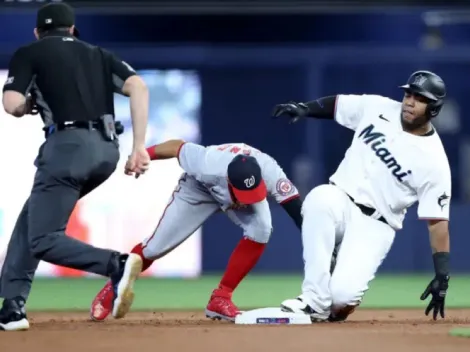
(70, 164)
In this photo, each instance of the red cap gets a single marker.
(251, 196)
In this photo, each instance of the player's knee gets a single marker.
(343, 295)
(261, 235)
(323, 197)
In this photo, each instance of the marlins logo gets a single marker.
(419, 80)
(443, 200)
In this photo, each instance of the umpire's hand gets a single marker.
(438, 289)
(294, 111)
(138, 162)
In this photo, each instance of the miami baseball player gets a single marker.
(395, 160)
(235, 178)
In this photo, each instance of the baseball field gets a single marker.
(168, 316)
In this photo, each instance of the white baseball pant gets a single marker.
(331, 218)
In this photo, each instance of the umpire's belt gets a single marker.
(89, 125)
(368, 211)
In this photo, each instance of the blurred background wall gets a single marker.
(215, 70)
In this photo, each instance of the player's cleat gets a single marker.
(297, 305)
(13, 315)
(102, 305)
(130, 267)
(221, 307)
(342, 314)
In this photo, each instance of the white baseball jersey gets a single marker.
(388, 169)
(208, 165)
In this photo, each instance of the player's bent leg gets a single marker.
(365, 245)
(323, 211)
(189, 202)
(257, 228)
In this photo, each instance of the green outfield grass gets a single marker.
(254, 292)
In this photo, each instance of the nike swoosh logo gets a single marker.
(383, 118)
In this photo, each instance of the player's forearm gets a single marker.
(440, 244)
(167, 150)
(293, 207)
(322, 108)
(439, 236)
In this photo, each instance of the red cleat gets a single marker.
(221, 307)
(102, 305)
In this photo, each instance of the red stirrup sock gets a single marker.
(243, 259)
(146, 262)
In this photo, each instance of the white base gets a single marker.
(272, 316)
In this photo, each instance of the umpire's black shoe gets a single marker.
(128, 267)
(13, 315)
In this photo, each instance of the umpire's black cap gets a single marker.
(245, 179)
(55, 15)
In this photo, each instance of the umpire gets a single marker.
(70, 83)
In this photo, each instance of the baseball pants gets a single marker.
(189, 207)
(70, 164)
(332, 219)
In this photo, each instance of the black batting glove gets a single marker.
(438, 289)
(294, 111)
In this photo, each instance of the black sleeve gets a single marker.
(441, 263)
(293, 207)
(20, 72)
(120, 71)
(323, 108)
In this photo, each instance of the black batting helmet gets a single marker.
(430, 86)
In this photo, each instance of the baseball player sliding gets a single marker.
(235, 178)
(396, 158)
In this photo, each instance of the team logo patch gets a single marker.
(443, 200)
(419, 80)
(250, 182)
(284, 187)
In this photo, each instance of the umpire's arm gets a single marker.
(18, 84)
(126, 82)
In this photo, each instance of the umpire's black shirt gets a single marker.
(70, 79)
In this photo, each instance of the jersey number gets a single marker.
(234, 149)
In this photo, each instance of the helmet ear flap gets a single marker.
(434, 108)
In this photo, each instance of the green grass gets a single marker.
(256, 291)
(460, 332)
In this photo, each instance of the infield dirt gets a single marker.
(379, 330)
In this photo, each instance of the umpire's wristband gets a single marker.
(441, 263)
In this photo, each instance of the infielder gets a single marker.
(235, 178)
(396, 159)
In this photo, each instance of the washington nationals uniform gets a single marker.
(216, 178)
(384, 171)
(203, 190)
